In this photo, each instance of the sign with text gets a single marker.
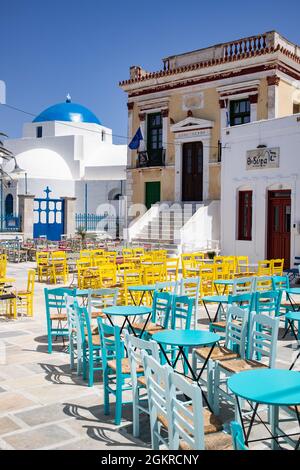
(262, 158)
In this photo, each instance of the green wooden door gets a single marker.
(152, 193)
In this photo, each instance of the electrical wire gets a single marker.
(14, 108)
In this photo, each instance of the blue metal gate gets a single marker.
(48, 217)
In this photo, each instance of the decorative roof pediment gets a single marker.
(191, 124)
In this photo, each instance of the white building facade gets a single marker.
(260, 189)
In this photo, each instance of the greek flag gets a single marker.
(135, 142)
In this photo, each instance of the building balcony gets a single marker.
(151, 158)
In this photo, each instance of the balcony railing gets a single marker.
(153, 158)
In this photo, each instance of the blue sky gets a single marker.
(52, 47)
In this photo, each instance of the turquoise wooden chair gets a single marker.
(262, 343)
(74, 347)
(101, 298)
(268, 302)
(134, 347)
(236, 334)
(89, 345)
(160, 316)
(156, 377)
(56, 316)
(190, 426)
(244, 301)
(116, 368)
(238, 440)
(191, 287)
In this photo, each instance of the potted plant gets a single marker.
(211, 254)
(81, 232)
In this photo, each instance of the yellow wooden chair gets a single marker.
(88, 278)
(85, 254)
(108, 275)
(242, 264)
(59, 267)
(230, 263)
(198, 258)
(154, 273)
(277, 267)
(111, 256)
(188, 265)
(43, 266)
(127, 252)
(207, 277)
(25, 297)
(264, 268)
(131, 278)
(172, 267)
(138, 252)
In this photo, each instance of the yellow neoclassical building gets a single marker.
(182, 108)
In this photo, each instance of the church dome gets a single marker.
(69, 112)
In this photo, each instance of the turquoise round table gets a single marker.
(127, 312)
(272, 387)
(143, 289)
(183, 340)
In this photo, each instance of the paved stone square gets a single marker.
(43, 405)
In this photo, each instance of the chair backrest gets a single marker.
(55, 299)
(263, 283)
(84, 330)
(108, 275)
(280, 283)
(191, 287)
(243, 285)
(182, 310)
(71, 313)
(112, 347)
(101, 298)
(242, 264)
(263, 337)
(161, 308)
(135, 346)
(264, 268)
(277, 266)
(237, 329)
(154, 273)
(30, 281)
(185, 413)
(238, 439)
(158, 392)
(268, 302)
(167, 286)
(244, 301)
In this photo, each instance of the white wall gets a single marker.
(283, 133)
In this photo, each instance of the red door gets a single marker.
(279, 226)
(192, 171)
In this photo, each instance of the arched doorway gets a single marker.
(9, 205)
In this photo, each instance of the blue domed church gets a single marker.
(66, 152)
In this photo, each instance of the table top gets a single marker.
(142, 288)
(224, 282)
(127, 311)
(292, 316)
(186, 337)
(293, 290)
(268, 386)
(215, 298)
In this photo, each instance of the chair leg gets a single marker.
(106, 394)
(136, 413)
(49, 338)
(91, 368)
(118, 412)
(216, 392)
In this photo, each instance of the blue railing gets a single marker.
(10, 223)
(98, 223)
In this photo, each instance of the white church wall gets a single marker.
(97, 195)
